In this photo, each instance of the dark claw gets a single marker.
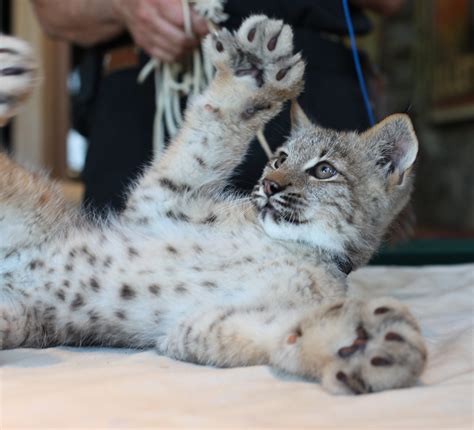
(395, 337)
(251, 35)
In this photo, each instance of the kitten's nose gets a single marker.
(271, 187)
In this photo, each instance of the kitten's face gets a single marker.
(337, 191)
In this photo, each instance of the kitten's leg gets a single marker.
(357, 347)
(351, 346)
(32, 209)
(256, 73)
(13, 318)
(224, 336)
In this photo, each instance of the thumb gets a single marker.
(199, 24)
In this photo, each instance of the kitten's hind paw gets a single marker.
(261, 52)
(379, 348)
(357, 347)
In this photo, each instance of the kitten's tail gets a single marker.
(32, 208)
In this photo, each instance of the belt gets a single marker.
(121, 58)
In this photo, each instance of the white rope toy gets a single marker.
(173, 81)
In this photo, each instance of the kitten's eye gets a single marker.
(322, 170)
(280, 160)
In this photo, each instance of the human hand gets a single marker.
(157, 26)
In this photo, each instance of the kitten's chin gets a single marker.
(318, 236)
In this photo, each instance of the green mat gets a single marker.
(427, 251)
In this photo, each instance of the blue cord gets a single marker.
(355, 54)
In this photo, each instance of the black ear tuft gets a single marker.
(397, 144)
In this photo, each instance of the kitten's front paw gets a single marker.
(362, 347)
(261, 52)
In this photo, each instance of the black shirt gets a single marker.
(317, 15)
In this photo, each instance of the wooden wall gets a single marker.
(39, 132)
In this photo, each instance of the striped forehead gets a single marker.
(319, 144)
(309, 151)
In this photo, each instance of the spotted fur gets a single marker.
(213, 278)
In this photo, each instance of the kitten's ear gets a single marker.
(397, 143)
(298, 117)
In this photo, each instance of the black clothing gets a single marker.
(121, 115)
(317, 15)
(120, 139)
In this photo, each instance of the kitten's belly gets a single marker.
(178, 258)
(156, 280)
(225, 262)
(181, 264)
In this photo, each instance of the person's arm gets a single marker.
(157, 26)
(85, 22)
(383, 7)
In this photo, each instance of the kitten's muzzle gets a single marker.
(271, 187)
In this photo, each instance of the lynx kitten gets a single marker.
(212, 278)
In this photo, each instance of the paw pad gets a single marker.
(261, 49)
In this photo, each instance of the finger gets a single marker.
(173, 13)
(173, 52)
(173, 34)
(199, 24)
(161, 55)
(170, 47)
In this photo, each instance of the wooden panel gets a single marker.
(39, 134)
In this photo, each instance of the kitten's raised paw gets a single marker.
(358, 347)
(261, 52)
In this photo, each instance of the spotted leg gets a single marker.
(256, 73)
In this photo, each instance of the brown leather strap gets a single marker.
(122, 58)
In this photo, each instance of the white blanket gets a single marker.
(91, 388)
